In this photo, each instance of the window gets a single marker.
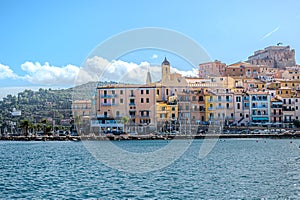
(147, 91)
(173, 108)
(238, 106)
(163, 108)
(296, 107)
(121, 92)
(238, 99)
(117, 113)
(113, 101)
(142, 91)
(113, 92)
(121, 101)
(147, 100)
(157, 92)
(105, 100)
(142, 100)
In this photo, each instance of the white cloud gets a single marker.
(49, 75)
(154, 56)
(99, 69)
(94, 69)
(6, 72)
(270, 33)
(190, 73)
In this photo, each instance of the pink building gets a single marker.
(208, 69)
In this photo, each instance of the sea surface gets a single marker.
(233, 169)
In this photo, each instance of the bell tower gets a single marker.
(165, 70)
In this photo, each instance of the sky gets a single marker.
(44, 43)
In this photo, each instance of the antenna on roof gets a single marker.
(279, 43)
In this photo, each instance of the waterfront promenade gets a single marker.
(285, 135)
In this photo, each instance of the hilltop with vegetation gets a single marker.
(45, 107)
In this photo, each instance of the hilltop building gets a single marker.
(274, 56)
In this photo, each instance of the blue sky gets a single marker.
(63, 33)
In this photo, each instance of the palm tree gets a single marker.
(125, 120)
(44, 122)
(25, 124)
(78, 123)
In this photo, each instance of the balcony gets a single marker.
(172, 103)
(259, 99)
(131, 104)
(107, 96)
(103, 116)
(288, 109)
(276, 106)
(144, 116)
(211, 108)
(260, 107)
(220, 107)
(259, 114)
(107, 104)
(260, 118)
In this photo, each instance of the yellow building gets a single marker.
(210, 106)
(166, 111)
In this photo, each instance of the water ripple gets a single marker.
(235, 169)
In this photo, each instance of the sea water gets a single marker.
(233, 169)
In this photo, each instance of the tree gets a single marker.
(125, 120)
(296, 123)
(44, 122)
(77, 121)
(25, 124)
